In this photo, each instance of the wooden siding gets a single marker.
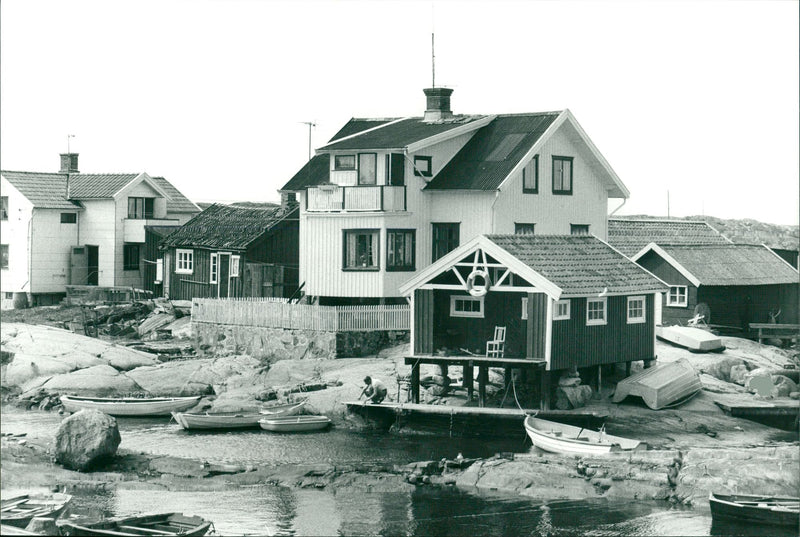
(536, 340)
(423, 321)
(578, 345)
(50, 254)
(97, 228)
(738, 306)
(14, 233)
(551, 213)
(150, 252)
(671, 315)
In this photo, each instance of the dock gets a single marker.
(784, 413)
(464, 420)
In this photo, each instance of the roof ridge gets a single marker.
(520, 114)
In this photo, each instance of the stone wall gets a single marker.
(360, 344)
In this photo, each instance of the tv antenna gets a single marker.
(68, 137)
(310, 125)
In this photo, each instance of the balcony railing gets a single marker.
(133, 228)
(335, 198)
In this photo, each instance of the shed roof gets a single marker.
(629, 235)
(730, 264)
(489, 156)
(226, 226)
(43, 190)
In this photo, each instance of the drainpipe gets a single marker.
(624, 201)
(491, 209)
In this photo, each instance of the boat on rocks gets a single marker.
(752, 509)
(570, 440)
(233, 420)
(130, 406)
(294, 424)
(661, 386)
(165, 525)
(20, 510)
(15, 531)
(690, 337)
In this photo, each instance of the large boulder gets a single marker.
(721, 369)
(100, 380)
(86, 439)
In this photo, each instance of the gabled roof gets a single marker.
(561, 266)
(490, 155)
(356, 125)
(315, 171)
(398, 134)
(226, 226)
(98, 186)
(176, 201)
(43, 190)
(725, 264)
(629, 235)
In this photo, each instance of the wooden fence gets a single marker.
(278, 313)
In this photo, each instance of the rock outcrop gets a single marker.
(86, 439)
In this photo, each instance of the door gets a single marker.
(223, 288)
(93, 265)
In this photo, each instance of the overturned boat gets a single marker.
(694, 339)
(661, 386)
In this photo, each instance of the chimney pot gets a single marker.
(438, 103)
(69, 163)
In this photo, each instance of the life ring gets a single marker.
(478, 291)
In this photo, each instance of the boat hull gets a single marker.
(748, 509)
(694, 339)
(216, 421)
(661, 386)
(20, 510)
(166, 525)
(288, 409)
(561, 438)
(130, 407)
(295, 424)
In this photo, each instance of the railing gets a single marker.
(278, 313)
(83, 294)
(335, 198)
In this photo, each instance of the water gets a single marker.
(275, 510)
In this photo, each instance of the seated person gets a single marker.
(375, 390)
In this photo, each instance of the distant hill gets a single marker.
(745, 231)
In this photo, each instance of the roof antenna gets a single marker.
(433, 55)
(310, 124)
(68, 137)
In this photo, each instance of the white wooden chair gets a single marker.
(496, 347)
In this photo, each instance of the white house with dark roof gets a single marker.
(387, 197)
(68, 228)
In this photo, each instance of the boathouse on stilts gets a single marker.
(564, 302)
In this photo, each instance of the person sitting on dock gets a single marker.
(375, 390)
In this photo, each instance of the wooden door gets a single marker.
(93, 258)
(223, 287)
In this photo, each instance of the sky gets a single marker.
(694, 104)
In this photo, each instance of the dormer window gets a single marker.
(423, 166)
(344, 162)
(367, 168)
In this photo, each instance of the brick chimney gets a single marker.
(438, 101)
(288, 200)
(69, 163)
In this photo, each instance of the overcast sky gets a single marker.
(699, 99)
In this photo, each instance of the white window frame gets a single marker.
(642, 317)
(680, 303)
(454, 312)
(597, 322)
(233, 270)
(184, 261)
(524, 308)
(213, 274)
(564, 316)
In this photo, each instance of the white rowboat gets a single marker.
(694, 339)
(132, 406)
(233, 420)
(288, 409)
(294, 424)
(567, 439)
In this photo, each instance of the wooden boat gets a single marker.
(20, 510)
(165, 524)
(288, 409)
(570, 440)
(157, 406)
(694, 339)
(753, 509)
(13, 530)
(662, 385)
(294, 424)
(220, 420)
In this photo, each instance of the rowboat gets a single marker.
(233, 420)
(165, 525)
(755, 509)
(694, 339)
(661, 386)
(13, 530)
(294, 424)
(569, 440)
(20, 510)
(288, 409)
(132, 406)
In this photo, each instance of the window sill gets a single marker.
(677, 305)
(561, 318)
(636, 321)
(530, 191)
(184, 272)
(562, 192)
(596, 323)
(361, 269)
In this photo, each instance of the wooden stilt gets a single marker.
(507, 378)
(599, 378)
(544, 398)
(468, 380)
(444, 369)
(415, 383)
(483, 374)
(627, 369)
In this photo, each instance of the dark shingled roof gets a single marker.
(580, 265)
(356, 125)
(176, 202)
(400, 134)
(315, 171)
(629, 236)
(98, 186)
(225, 226)
(733, 264)
(487, 159)
(161, 231)
(43, 190)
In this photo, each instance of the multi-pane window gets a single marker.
(523, 229)
(344, 162)
(184, 261)
(562, 175)
(677, 296)
(234, 271)
(596, 311)
(140, 208)
(530, 176)
(361, 249)
(636, 309)
(69, 218)
(466, 306)
(395, 169)
(3, 207)
(579, 229)
(561, 310)
(445, 239)
(367, 168)
(400, 245)
(130, 257)
(4, 256)
(214, 269)
(423, 166)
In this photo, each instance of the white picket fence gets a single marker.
(277, 313)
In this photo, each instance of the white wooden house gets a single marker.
(387, 197)
(68, 228)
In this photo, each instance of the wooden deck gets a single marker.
(744, 408)
(789, 332)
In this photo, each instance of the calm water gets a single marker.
(273, 510)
